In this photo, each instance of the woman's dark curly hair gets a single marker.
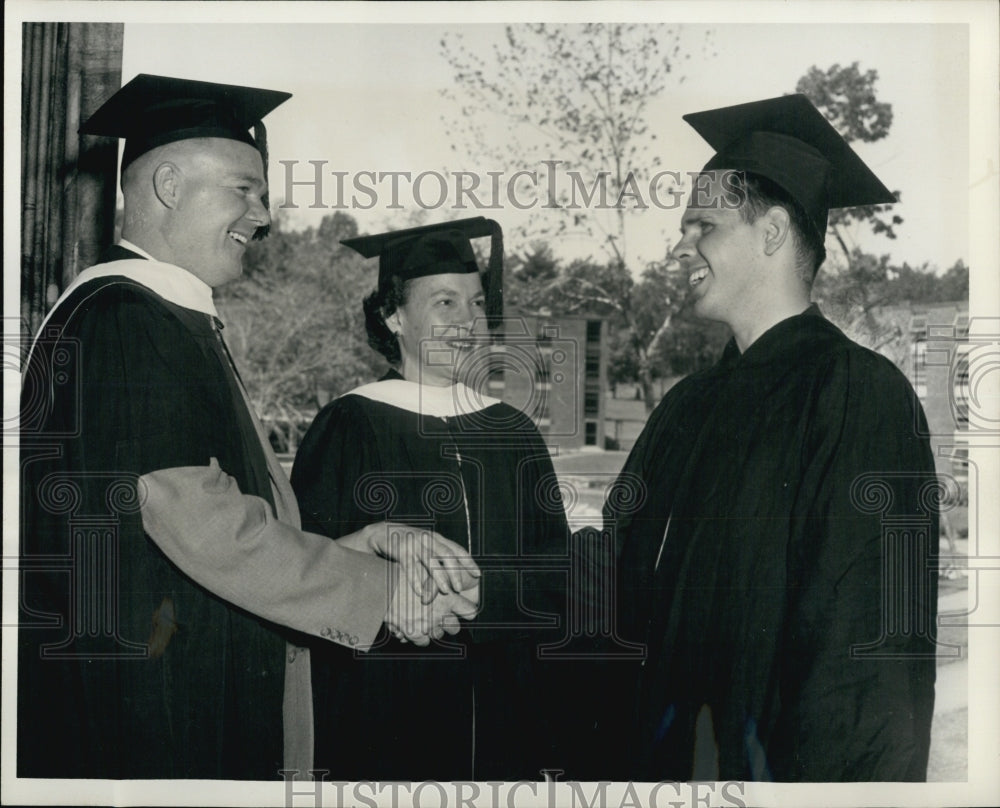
(380, 304)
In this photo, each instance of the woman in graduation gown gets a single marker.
(419, 444)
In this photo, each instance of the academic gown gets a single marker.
(128, 667)
(474, 706)
(779, 568)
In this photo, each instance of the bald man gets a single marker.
(165, 576)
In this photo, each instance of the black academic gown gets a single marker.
(782, 487)
(127, 668)
(475, 706)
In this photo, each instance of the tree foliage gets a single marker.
(651, 333)
(858, 297)
(846, 96)
(529, 278)
(855, 289)
(294, 323)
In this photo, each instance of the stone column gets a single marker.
(68, 181)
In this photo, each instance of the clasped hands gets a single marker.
(441, 580)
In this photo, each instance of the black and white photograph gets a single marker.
(501, 404)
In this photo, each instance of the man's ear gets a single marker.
(167, 184)
(776, 225)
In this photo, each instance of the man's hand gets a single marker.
(410, 619)
(432, 564)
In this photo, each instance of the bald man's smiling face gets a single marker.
(214, 207)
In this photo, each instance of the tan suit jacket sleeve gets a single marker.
(232, 544)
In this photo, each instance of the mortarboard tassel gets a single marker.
(494, 276)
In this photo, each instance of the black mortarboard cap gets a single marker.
(788, 141)
(437, 249)
(152, 111)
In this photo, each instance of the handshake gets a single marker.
(441, 580)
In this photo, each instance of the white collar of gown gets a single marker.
(426, 399)
(173, 283)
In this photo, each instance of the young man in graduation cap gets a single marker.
(161, 653)
(788, 632)
(420, 442)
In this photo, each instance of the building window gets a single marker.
(590, 433)
(592, 366)
(960, 387)
(593, 330)
(591, 403)
(960, 463)
(920, 368)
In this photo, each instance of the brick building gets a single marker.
(937, 365)
(555, 370)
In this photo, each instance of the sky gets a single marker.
(367, 97)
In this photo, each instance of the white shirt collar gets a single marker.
(128, 245)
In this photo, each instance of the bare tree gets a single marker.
(577, 96)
